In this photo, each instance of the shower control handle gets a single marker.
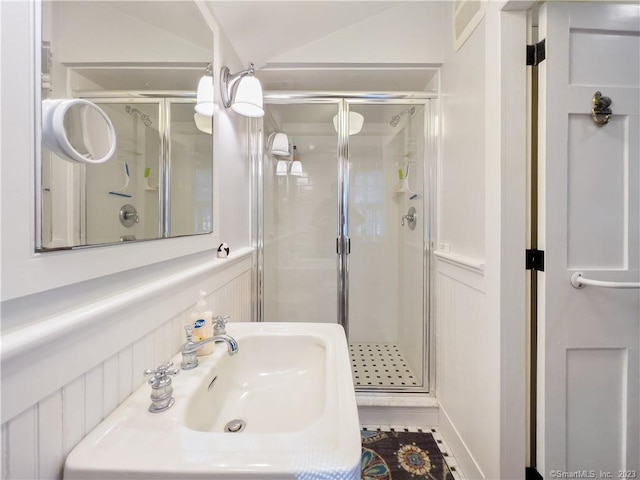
(411, 217)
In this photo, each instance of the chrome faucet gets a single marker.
(190, 348)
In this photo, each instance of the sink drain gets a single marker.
(235, 426)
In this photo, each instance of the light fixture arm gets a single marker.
(229, 81)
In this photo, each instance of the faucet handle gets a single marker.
(219, 323)
(161, 389)
(160, 372)
(189, 331)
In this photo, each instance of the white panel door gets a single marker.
(589, 367)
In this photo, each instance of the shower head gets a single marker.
(146, 119)
(395, 120)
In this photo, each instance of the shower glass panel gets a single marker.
(191, 170)
(372, 175)
(121, 181)
(300, 216)
(386, 266)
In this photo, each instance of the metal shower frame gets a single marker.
(343, 100)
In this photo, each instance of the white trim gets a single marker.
(60, 325)
(460, 37)
(422, 417)
(97, 331)
(458, 448)
(466, 270)
(476, 265)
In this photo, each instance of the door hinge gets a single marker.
(536, 53)
(535, 260)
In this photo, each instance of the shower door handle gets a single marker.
(348, 245)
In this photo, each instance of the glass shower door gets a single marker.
(121, 182)
(190, 170)
(300, 215)
(387, 230)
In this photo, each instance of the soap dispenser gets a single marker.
(202, 320)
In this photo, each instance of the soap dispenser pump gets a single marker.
(201, 319)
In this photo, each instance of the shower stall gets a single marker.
(346, 239)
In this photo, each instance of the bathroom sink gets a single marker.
(282, 408)
(275, 385)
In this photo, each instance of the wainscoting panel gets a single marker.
(462, 355)
(36, 441)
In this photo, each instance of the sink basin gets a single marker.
(258, 386)
(288, 393)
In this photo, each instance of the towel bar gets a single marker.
(578, 281)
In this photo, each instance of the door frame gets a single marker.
(343, 100)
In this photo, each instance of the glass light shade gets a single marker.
(356, 121)
(204, 123)
(204, 97)
(296, 168)
(280, 144)
(248, 98)
(281, 168)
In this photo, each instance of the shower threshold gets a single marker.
(381, 365)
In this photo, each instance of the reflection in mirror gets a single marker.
(128, 160)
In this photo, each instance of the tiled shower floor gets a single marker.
(380, 365)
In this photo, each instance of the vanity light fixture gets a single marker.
(242, 92)
(356, 121)
(204, 123)
(278, 144)
(204, 97)
(281, 168)
(296, 165)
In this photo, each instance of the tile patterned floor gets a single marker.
(380, 365)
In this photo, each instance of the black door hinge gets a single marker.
(536, 53)
(535, 260)
(532, 474)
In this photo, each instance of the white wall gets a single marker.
(465, 337)
(78, 326)
(461, 187)
(480, 282)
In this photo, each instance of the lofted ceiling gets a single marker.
(261, 30)
(345, 45)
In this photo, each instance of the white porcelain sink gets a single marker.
(277, 385)
(290, 384)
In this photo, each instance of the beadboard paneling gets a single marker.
(36, 441)
(463, 352)
(50, 449)
(23, 431)
(78, 339)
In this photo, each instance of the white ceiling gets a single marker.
(261, 30)
(183, 19)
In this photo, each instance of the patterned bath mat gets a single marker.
(402, 456)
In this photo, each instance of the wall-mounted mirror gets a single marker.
(121, 155)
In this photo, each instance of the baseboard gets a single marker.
(463, 456)
(409, 411)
